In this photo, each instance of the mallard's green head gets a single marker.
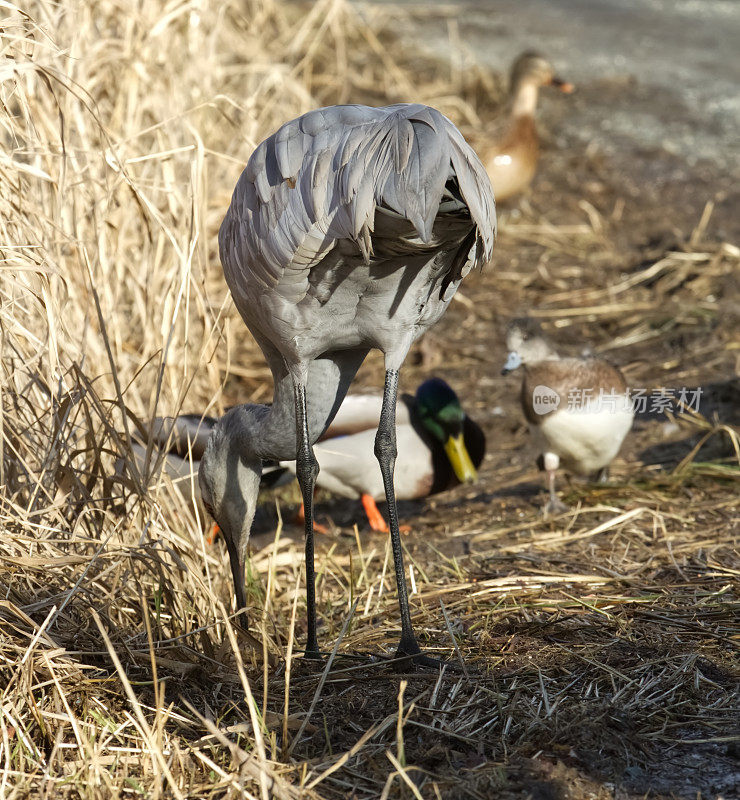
(442, 416)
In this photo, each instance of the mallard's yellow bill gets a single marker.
(460, 459)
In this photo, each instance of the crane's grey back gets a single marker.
(319, 180)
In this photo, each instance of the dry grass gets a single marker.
(594, 644)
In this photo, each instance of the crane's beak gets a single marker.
(564, 86)
(459, 457)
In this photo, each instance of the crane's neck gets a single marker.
(269, 432)
(248, 435)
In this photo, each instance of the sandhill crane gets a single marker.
(350, 228)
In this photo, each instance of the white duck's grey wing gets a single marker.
(182, 471)
(361, 412)
(319, 180)
(185, 435)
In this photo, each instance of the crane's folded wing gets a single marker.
(319, 180)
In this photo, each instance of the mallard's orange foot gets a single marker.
(300, 519)
(376, 519)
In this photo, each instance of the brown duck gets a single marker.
(511, 161)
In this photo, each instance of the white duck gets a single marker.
(439, 447)
(578, 409)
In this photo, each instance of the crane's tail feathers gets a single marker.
(320, 180)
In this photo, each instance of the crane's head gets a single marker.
(229, 477)
(443, 417)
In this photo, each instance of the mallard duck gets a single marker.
(439, 447)
(578, 409)
(511, 160)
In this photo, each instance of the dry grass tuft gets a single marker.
(593, 643)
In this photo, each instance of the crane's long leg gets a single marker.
(307, 468)
(385, 452)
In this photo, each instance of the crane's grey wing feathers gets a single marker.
(320, 179)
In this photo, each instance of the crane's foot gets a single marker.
(313, 658)
(312, 653)
(409, 652)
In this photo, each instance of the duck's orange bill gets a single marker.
(460, 459)
(564, 86)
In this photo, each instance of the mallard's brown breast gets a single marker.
(512, 161)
